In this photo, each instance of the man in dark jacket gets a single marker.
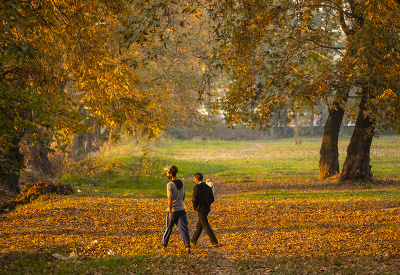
(202, 199)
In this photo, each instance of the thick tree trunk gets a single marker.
(357, 164)
(85, 143)
(36, 157)
(76, 148)
(11, 183)
(329, 154)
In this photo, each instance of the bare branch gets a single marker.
(7, 72)
(204, 6)
(62, 15)
(324, 46)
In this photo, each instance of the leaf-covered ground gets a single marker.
(279, 227)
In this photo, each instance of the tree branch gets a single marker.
(356, 16)
(205, 7)
(7, 72)
(324, 46)
(343, 24)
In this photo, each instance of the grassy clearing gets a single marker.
(271, 214)
(326, 195)
(129, 171)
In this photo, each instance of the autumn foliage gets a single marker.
(336, 228)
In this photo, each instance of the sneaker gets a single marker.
(215, 245)
(188, 250)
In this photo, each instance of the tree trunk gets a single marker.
(271, 129)
(312, 124)
(329, 153)
(13, 155)
(285, 126)
(38, 160)
(36, 156)
(297, 138)
(97, 141)
(357, 164)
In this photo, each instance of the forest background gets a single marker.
(76, 75)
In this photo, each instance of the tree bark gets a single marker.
(11, 183)
(357, 164)
(285, 126)
(36, 156)
(312, 124)
(297, 138)
(272, 132)
(329, 153)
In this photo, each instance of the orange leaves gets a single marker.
(388, 94)
(246, 229)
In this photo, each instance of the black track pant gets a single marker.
(202, 223)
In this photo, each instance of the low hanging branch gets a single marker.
(8, 71)
(324, 46)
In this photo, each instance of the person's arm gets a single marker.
(170, 208)
(169, 196)
(194, 198)
(211, 197)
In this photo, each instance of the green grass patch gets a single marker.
(315, 195)
(132, 170)
(127, 176)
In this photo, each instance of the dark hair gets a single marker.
(173, 170)
(198, 176)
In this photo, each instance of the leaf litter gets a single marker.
(271, 234)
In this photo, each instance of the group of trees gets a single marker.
(299, 53)
(296, 54)
(138, 66)
(278, 54)
(69, 66)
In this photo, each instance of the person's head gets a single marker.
(198, 177)
(171, 171)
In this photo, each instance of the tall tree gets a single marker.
(373, 58)
(31, 90)
(277, 53)
(282, 53)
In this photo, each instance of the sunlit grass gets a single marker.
(115, 171)
(324, 195)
